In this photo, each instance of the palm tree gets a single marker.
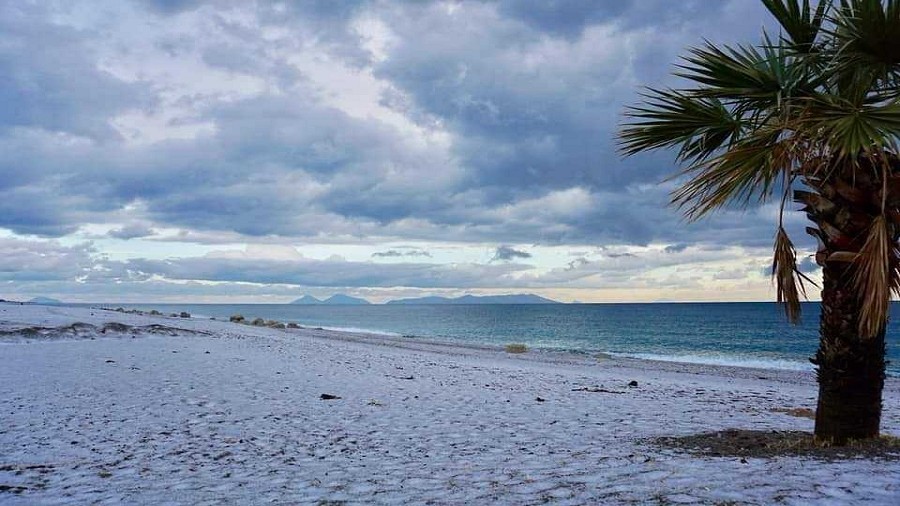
(813, 114)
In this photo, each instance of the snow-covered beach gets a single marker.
(194, 411)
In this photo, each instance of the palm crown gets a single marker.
(816, 108)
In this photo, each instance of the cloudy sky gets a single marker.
(239, 151)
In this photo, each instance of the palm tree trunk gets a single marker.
(850, 369)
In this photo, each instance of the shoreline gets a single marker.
(183, 410)
(551, 355)
(463, 348)
(707, 358)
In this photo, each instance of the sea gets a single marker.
(743, 334)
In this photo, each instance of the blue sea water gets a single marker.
(741, 334)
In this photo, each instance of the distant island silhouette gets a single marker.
(46, 301)
(335, 300)
(522, 298)
(346, 300)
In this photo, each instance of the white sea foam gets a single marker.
(727, 360)
(357, 330)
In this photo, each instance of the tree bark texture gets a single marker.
(850, 368)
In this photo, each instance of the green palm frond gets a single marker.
(801, 23)
(868, 32)
(866, 47)
(669, 118)
(849, 129)
(758, 77)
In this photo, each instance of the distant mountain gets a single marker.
(522, 298)
(422, 300)
(46, 301)
(341, 299)
(308, 300)
(338, 299)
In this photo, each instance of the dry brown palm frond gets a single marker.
(873, 278)
(894, 272)
(788, 282)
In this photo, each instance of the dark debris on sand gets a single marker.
(771, 444)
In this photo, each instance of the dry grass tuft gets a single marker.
(516, 348)
(798, 412)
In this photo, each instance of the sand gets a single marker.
(194, 411)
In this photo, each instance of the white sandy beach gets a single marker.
(221, 413)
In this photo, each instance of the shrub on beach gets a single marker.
(236, 318)
(516, 348)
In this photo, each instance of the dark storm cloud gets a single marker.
(51, 78)
(570, 18)
(315, 168)
(561, 17)
(294, 146)
(44, 210)
(528, 98)
(172, 6)
(506, 253)
(537, 112)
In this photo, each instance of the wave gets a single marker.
(726, 360)
(356, 330)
